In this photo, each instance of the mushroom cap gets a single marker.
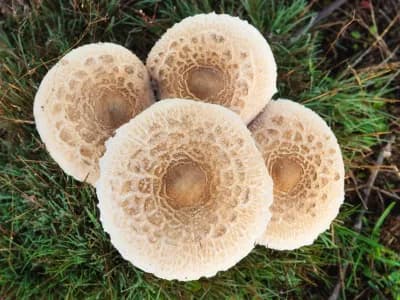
(82, 99)
(304, 159)
(182, 190)
(217, 59)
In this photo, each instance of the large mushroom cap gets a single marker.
(182, 189)
(306, 165)
(89, 93)
(218, 59)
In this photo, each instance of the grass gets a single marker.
(51, 242)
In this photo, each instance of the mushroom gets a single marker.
(89, 93)
(217, 59)
(183, 190)
(304, 159)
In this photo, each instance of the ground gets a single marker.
(344, 64)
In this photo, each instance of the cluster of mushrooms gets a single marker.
(187, 188)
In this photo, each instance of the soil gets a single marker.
(364, 34)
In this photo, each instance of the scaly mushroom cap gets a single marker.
(89, 93)
(305, 162)
(183, 190)
(218, 59)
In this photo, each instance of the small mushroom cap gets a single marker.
(304, 159)
(182, 190)
(217, 59)
(89, 93)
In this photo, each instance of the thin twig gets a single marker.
(357, 189)
(389, 194)
(357, 226)
(377, 40)
(326, 12)
(385, 153)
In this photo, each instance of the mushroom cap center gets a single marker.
(112, 109)
(205, 82)
(186, 185)
(286, 173)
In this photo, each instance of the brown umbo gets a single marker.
(89, 93)
(218, 59)
(305, 162)
(183, 190)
